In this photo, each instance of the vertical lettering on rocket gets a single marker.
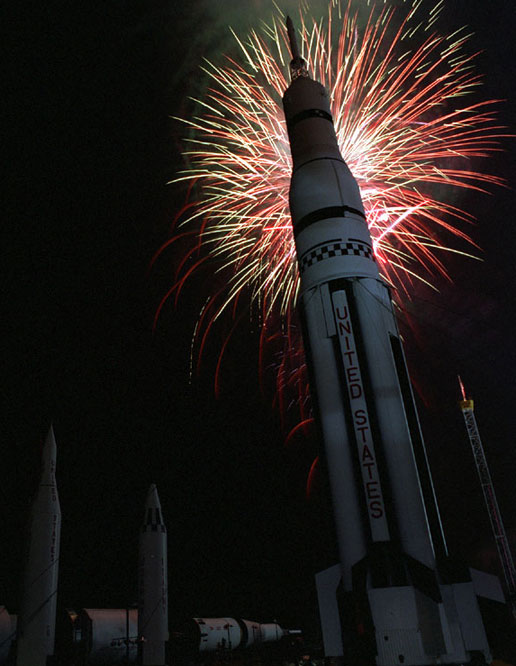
(367, 456)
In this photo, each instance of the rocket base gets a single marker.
(401, 625)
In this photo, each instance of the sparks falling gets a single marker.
(406, 128)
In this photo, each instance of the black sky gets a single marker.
(90, 147)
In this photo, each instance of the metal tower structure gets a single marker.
(502, 543)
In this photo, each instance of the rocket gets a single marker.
(37, 618)
(209, 634)
(388, 528)
(152, 584)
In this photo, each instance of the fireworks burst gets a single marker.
(399, 99)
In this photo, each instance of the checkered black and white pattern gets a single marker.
(335, 250)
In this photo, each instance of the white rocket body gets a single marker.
(152, 584)
(208, 634)
(387, 533)
(37, 618)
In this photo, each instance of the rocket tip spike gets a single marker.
(297, 64)
(51, 435)
(294, 50)
(49, 453)
(152, 497)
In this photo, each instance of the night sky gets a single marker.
(90, 148)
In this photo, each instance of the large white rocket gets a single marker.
(395, 607)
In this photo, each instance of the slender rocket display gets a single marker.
(387, 522)
(37, 619)
(152, 584)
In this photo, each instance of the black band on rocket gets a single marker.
(324, 214)
(308, 113)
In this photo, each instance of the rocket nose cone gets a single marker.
(152, 497)
(49, 455)
(153, 518)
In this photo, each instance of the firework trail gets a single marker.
(406, 127)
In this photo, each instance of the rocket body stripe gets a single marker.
(309, 113)
(361, 422)
(324, 214)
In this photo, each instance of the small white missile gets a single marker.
(152, 584)
(37, 618)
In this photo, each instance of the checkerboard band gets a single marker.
(331, 250)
